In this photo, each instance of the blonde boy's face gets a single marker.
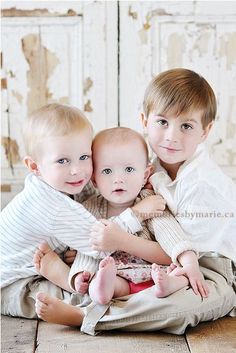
(65, 162)
(120, 171)
(175, 139)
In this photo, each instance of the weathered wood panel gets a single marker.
(156, 36)
(217, 337)
(60, 339)
(61, 51)
(18, 335)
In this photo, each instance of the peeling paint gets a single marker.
(3, 83)
(18, 96)
(11, 150)
(42, 63)
(5, 188)
(64, 100)
(88, 83)
(14, 12)
(228, 49)
(202, 43)
(132, 14)
(175, 50)
(87, 106)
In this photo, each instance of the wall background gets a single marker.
(100, 56)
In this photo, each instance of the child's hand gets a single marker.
(69, 257)
(81, 282)
(151, 206)
(195, 277)
(106, 236)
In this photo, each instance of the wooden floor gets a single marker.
(32, 336)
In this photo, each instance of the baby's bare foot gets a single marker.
(166, 284)
(54, 310)
(42, 256)
(102, 288)
(81, 282)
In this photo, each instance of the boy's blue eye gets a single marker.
(186, 126)
(63, 161)
(106, 171)
(84, 157)
(162, 122)
(129, 169)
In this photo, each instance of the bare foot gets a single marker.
(50, 266)
(165, 284)
(102, 287)
(81, 282)
(54, 310)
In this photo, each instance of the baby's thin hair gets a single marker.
(181, 89)
(53, 119)
(119, 135)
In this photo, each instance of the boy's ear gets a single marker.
(206, 131)
(31, 165)
(144, 121)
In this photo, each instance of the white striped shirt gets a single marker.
(40, 213)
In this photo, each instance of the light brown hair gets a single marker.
(183, 90)
(52, 120)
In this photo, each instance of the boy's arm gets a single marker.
(190, 269)
(171, 236)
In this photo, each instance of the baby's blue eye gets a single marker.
(129, 169)
(106, 171)
(186, 126)
(84, 157)
(63, 161)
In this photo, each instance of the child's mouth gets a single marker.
(75, 183)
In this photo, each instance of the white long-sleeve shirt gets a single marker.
(40, 213)
(203, 199)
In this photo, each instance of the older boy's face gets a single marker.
(175, 139)
(65, 162)
(120, 171)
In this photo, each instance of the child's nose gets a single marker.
(118, 178)
(74, 169)
(171, 134)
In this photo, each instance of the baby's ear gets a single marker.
(93, 180)
(31, 165)
(148, 172)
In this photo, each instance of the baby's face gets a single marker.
(120, 171)
(65, 162)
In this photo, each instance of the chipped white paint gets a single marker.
(82, 53)
(195, 34)
(75, 48)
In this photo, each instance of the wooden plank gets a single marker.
(55, 338)
(218, 336)
(18, 335)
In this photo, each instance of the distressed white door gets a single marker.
(160, 35)
(100, 56)
(55, 51)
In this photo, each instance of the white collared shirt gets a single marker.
(203, 199)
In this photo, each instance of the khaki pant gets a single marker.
(18, 299)
(144, 312)
(138, 312)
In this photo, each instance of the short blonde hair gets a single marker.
(52, 120)
(119, 135)
(183, 90)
